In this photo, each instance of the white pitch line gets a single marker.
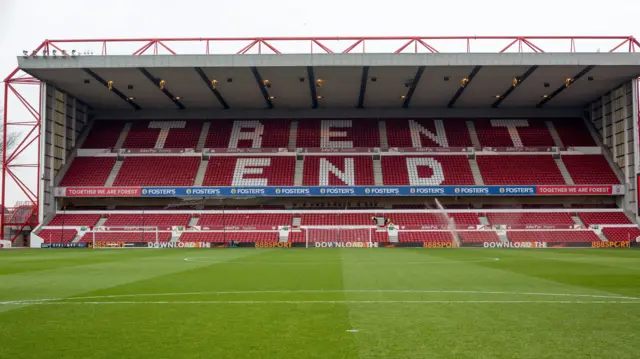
(332, 302)
(453, 261)
(317, 291)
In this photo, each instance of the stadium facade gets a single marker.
(518, 146)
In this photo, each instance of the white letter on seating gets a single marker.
(512, 127)
(237, 134)
(326, 133)
(412, 169)
(250, 166)
(347, 177)
(439, 137)
(164, 127)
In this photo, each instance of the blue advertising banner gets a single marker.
(337, 191)
(344, 191)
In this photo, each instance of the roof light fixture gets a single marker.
(568, 82)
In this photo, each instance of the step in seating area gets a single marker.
(261, 171)
(413, 225)
(341, 133)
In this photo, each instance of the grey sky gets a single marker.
(25, 24)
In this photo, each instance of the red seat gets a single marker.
(57, 235)
(553, 236)
(478, 236)
(75, 220)
(352, 133)
(225, 237)
(573, 133)
(104, 134)
(440, 170)
(462, 220)
(162, 221)
(335, 166)
(532, 133)
(157, 171)
(141, 136)
(519, 170)
(530, 218)
(595, 218)
(590, 169)
(430, 236)
(336, 219)
(275, 134)
(246, 219)
(226, 171)
(88, 171)
(404, 133)
(621, 234)
(126, 237)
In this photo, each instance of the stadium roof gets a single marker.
(337, 80)
(425, 78)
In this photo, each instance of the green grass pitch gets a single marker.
(320, 303)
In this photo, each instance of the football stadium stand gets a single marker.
(530, 152)
(256, 169)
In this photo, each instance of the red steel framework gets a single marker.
(26, 212)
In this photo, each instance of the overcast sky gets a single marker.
(25, 24)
